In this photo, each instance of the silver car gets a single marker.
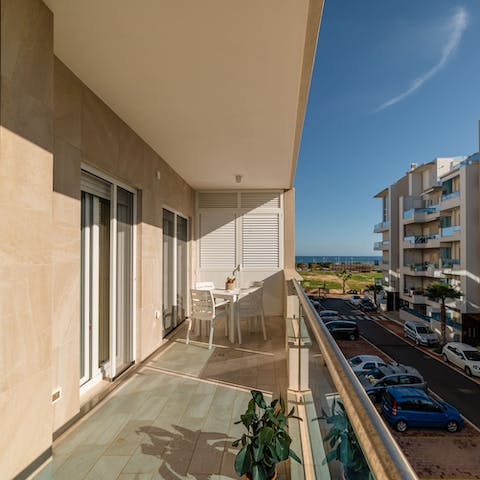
(420, 333)
(366, 363)
(377, 381)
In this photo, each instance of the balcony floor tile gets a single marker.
(175, 416)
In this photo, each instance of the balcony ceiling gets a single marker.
(216, 87)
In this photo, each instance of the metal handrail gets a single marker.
(384, 457)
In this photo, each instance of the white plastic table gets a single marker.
(233, 296)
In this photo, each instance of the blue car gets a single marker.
(405, 407)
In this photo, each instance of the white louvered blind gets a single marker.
(261, 240)
(253, 200)
(217, 200)
(217, 240)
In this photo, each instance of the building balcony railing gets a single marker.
(382, 245)
(450, 231)
(415, 295)
(413, 241)
(448, 196)
(427, 269)
(421, 214)
(383, 455)
(450, 263)
(381, 227)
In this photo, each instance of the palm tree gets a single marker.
(376, 289)
(439, 292)
(344, 275)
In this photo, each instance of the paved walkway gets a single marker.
(174, 419)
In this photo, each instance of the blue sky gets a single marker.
(395, 82)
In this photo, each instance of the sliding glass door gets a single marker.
(106, 320)
(175, 270)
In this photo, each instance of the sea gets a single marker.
(336, 259)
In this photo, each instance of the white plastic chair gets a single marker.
(205, 309)
(205, 286)
(251, 306)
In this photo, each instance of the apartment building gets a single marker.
(439, 240)
(389, 245)
(144, 147)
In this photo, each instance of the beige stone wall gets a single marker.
(51, 123)
(87, 131)
(26, 205)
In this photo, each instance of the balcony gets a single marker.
(450, 200)
(421, 241)
(381, 227)
(425, 269)
(450, 265)
(419, 215)
(175, 417)
(450, 234)
(382, 245)
(414, 295)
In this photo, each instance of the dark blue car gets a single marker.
(405, 407)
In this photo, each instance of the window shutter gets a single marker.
(252, 200)
(261, 240)
(217, 240)
(217, 200)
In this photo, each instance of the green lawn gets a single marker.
(358, 280)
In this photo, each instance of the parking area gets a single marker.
(433, 453)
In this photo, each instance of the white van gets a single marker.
(420, 333)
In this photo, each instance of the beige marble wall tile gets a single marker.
(25, 343)
(67, 105)
(26, 430)
(100, 133)
(129, 167)
(24, 237)
(25, 173)
(25, 115)
(66, 357)
(27, 46)
(66, 305)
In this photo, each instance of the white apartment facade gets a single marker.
(438, 238)
(389, 245)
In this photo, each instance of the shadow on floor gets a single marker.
(186, 451)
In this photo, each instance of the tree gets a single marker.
(344, 275)
(439, 292)
(375, 289)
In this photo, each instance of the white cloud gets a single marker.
(456, 27)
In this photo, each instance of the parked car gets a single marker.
(376, 381)
(464, 356)
(366, 363)
(351, 292)
(355, 300)
(367, 305)
(343, 329)
(420, 333)
(329, 315)
(410, 407)
(315, 301)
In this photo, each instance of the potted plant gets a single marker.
(344, 444)
(230, 283)
(267, 441)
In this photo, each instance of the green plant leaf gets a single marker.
(258, 398)
(236, 443)
(266, 435)
(282, 447)
(243, 460)
(294, 456)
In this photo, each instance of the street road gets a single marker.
(452, 386)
